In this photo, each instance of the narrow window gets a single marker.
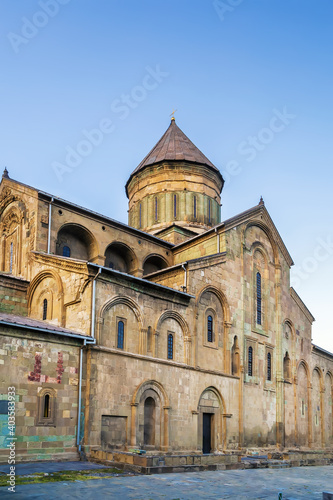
(195, 207)
(175, 206)
(170, 346)
(249, 362)
(44, 309)
(258, 298)
(210, 329)
(209, 212)
(46, 406)
(149, 339)
(269, 366)
(66, 251)
(140, 216)
(11, 257)
(120, 340)
(303, 407)
(156, 209)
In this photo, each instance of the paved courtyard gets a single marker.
(294, 483)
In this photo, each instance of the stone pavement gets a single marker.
(31, 467)
(295, 484)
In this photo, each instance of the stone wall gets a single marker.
(35, 367)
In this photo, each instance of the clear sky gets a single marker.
(252, 82)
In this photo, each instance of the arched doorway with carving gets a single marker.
(211, 432)
(150, 417)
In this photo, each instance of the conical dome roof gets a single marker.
(174, 145)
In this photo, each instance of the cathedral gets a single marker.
(177, 335)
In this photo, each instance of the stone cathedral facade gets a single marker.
(178, 333)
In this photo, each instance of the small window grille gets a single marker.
(210, 329)
(120, 340)
(175, 206)
(269, 366)
(195, 207)
(44, 309)
(259, 311)
(170, 346)
(66, 251)
(250, 362)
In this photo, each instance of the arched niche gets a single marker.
(46, 287)
(172, 323)
(328, 410)
(150, 416)
(153, 263)
(120, 309)
(11, 238)
(77, 242)
(303, 405)
(120, 257)
(235, 357)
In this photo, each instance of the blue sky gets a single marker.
(229, 68)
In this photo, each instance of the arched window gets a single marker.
(156, 209)
(44, 309)
(140, 215)
(66, 251)
(250, 362)
(195, 207)
(170, 346)
(11, 257)
(46, 406)
(120, 338)
(175, 206)
(210, 329)
(269, 366)
(258, 298)
(149, 338)
(209, 212)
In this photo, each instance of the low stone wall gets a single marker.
(157, 464)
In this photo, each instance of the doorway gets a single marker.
(149, 422)
(207, 432)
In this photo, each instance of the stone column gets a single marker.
(226, 353)
(187, 341)
(224, 430)
(165, 445)
(143, 341)
(133, 423)
(155, 343)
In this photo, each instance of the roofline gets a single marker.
(294, 295)
(239, 219)
(96, 214)
(45, 330)
(142, 280)
(320, 349)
